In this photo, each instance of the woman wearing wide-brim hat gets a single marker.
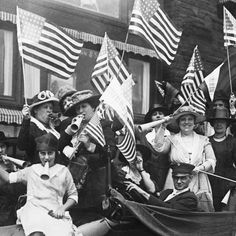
(36, 122)
(189, 147)
(224, 147)
(89, 156)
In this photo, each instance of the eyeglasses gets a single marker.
(45, 94)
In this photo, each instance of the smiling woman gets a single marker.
(189, 147)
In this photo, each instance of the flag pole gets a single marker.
(188, 98)
(123, 53)
(21, 51)
(109, 186)
(230, 78)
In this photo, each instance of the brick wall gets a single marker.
(201, 26)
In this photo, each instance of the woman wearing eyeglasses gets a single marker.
(36, 122)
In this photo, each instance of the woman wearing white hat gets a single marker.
(189, 147)
(36, 122)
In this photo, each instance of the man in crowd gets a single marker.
(179, 198)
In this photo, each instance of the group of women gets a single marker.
(71, 145)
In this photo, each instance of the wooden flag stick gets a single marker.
(230, 78)
(217, 176)
(21, 51)
(123, 53)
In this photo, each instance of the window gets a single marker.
(105, 7)
(6, 62)
(141, 77)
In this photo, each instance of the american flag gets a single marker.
(149, 21)
(127, 146)
(107, 66)
(45, 44)
(119, 97)
(191, 82)
(94, 129)
(229, 28)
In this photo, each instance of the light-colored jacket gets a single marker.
(201, 154)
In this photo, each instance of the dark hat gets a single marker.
(152, 109)
(43, 97)
(221, 95)
(81, 97)
(186, 110)
(182, 168)
(62, 93)
(220, 114)
(46, 142)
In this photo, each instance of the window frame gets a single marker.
(15, 100)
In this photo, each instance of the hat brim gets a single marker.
(198, 118)
(53, 99)
(71, 110)
(230, 120)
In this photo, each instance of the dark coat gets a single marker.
(186, 201)
(158, 165)
(26, 140)
(95, 186)
(225, 152)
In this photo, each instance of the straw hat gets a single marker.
(84, 96)
(43, 97)
(187, 110)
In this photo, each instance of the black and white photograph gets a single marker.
(117, 117)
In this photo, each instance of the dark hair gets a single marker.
(57, 157)
(93, 103)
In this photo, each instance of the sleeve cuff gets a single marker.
(92, 147)
(68, 151)
(12, 177)
(75, 198)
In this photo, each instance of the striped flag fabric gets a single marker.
(229, 29)
(108, 64)
(127, 146)
(44, 44)
(192, 80)
(150, 22)
(119, 98)
(94, 129)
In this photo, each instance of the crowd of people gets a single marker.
(177, 165)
